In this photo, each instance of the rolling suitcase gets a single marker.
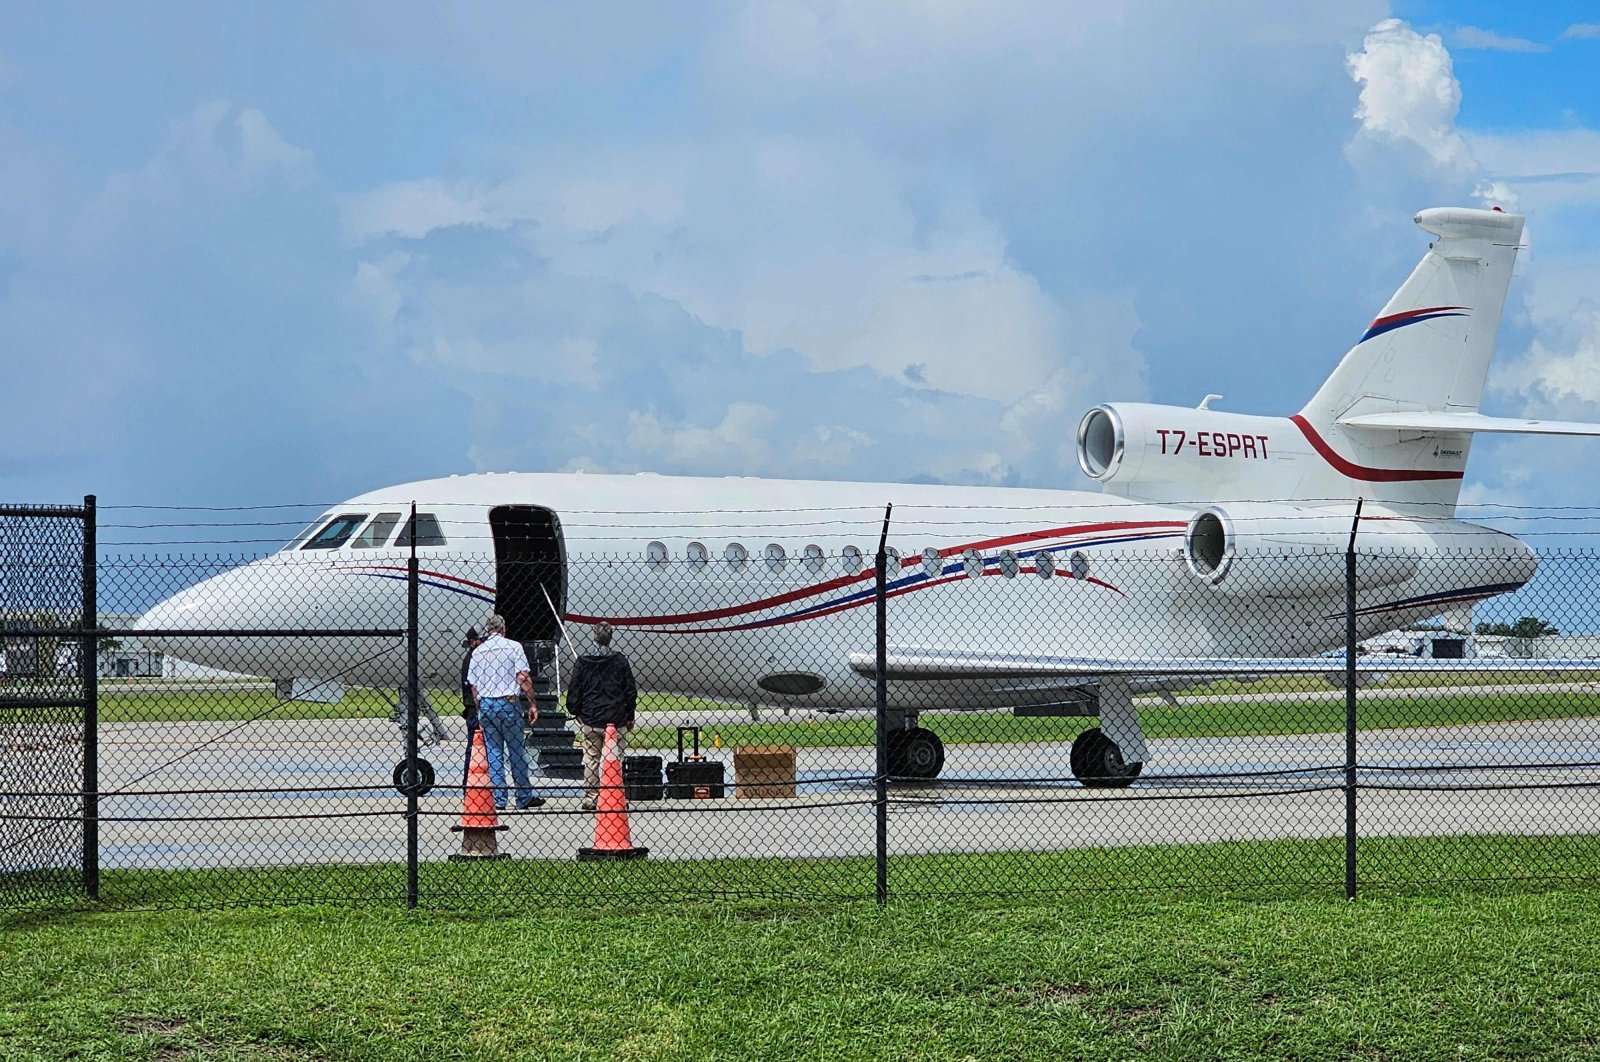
(693, 776)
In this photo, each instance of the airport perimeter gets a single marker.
(215, 784)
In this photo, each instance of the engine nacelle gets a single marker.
(1285, 551)
(1127, 445)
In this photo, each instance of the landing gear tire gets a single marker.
(1097, 762)
(915, 753)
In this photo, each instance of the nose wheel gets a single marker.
(1097, 762)
(915, 753)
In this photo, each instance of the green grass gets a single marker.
(1191, 719)
(1500, 973)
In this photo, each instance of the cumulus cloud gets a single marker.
(1561, 370)
(1409, 91)
(797, 243)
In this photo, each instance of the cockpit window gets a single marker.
(377, 532)
(305, 533)
(429, 533)
(335, 531)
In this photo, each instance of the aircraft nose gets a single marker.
(218, 603)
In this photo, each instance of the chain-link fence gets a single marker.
(996, 719)
(47, 698)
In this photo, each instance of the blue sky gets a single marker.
(288, 253)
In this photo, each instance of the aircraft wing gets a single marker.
(1468, 422)
(914, 663)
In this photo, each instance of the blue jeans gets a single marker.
(500, 719)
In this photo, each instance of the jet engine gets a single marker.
(1183, 454)
(1285, 551)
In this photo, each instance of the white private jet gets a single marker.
(1216, 548)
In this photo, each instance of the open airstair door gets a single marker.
(530, 561)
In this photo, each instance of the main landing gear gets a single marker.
(1097, 762)
(915, 753)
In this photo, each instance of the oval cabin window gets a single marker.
(813, 558)
(1080, 564)
(1009, 566)
(1044, 564)
(776, 557)
(655, 554)
(932, 563)
(697, 555)
(972, 561)
(852, 560)
(736, 556)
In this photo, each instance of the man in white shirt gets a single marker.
(499, 670)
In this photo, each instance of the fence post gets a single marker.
(413, 699)
(1350, 709)
(881, 743)
(89, 664)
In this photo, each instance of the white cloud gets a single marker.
(738, 443)
(1409, 91)
(1545, 168)
(1582, 31)
(1472, 38)
(411, 208)
(1561, 371)
(796, 243)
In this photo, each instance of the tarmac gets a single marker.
(277, 793)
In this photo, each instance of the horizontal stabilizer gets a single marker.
(908, 663)
(1460, 423)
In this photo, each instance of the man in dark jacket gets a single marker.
(469, 703)
(602, 691)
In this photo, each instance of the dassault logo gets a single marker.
(1442, 452)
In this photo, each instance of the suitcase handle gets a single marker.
(682, 730)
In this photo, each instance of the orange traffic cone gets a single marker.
(611, 836)
(479, 823)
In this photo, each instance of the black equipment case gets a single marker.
(641, 777)
(694, 776)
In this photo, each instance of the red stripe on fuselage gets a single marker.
(1364, 472)
(845, 580)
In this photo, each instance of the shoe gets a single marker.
(589, 805)
(530, 802)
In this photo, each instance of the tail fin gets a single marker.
(1429, 348)
(1427, 351)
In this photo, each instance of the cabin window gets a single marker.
(852, 559)
(813, 558)
(427, 530)
(377, 533)
(335, 531)
(1080, 564)
(655, 554)
(972, 560)
(891, 563)
(1044, 564)
(776, 557)
(697, 555)
(736, 556)
(932, 563)
(1009, 566)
